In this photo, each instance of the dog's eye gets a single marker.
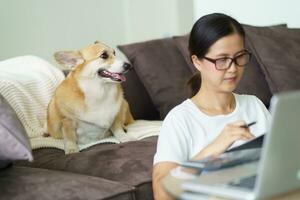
(104, 55)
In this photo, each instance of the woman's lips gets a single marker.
(231, 79)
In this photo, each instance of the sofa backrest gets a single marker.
(163, 66)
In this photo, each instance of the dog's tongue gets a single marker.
(118, 76)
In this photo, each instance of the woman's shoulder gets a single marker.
(180, 110)
(247, 99)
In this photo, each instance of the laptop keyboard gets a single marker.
(247, 182)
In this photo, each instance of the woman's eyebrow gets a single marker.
(223, 54)
(227, 55)
(241, 51)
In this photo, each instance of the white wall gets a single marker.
(41, 27)
(148, 19)
(253, 12)
(157, 18)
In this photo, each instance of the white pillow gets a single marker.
(14, 144)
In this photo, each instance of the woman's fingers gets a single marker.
(242, 133)
(238, 123)
(239, 131)
(231, 133)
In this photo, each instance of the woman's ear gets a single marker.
(197, 63)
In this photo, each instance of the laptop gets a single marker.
(276, 172)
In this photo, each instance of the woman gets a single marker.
(214, 119)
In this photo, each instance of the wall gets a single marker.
(41, 27)
(157, 18)
(254, 12)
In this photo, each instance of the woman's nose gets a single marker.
(232, 67)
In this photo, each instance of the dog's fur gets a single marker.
(89, 102)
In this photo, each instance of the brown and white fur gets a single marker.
(89, 103)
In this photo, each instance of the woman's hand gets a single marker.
(230, 133)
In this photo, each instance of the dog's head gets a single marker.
(94, 61)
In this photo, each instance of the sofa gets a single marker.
(156, 84)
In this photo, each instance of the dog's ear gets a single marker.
(69, 59)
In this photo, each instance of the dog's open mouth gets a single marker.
(112, 75)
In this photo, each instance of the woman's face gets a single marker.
(226, 80)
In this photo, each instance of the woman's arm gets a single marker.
(231, 133)
(160, 170)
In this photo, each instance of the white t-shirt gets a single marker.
(186, 130)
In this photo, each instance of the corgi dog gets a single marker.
(89, 104)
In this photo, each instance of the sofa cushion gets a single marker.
(5, 163)
(278, 52)
(14, 143)
(162, 70)
(129, 163)
(253, 80)
(140, 103)
(182, 44)
(32, 183)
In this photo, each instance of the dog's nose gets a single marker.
(127, 66)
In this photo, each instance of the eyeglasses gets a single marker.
(226, 62)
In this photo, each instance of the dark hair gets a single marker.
(205, 32)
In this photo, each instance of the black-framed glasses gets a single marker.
(226, 62)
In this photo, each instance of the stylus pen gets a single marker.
(248, 125)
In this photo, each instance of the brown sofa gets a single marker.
(156, 85)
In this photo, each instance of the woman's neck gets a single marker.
(214, 103)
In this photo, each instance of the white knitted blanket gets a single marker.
(28, 83)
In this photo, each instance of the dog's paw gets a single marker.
(71, 147)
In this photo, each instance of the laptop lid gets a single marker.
(279, 169)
